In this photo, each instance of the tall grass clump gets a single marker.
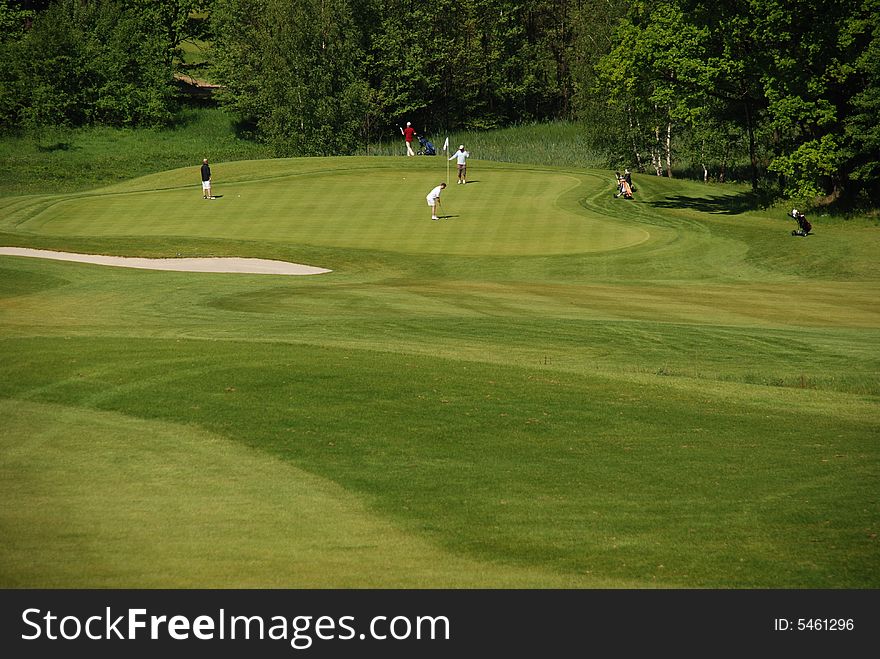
(554, 144)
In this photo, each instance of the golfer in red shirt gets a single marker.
(408, 133)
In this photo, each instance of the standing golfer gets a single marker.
(460, 158)
(408, 133)
(433, 200)
(206, 180)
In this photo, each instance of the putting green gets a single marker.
(361, 203)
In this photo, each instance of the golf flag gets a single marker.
(446, 144)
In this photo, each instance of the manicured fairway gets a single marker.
(549, 387)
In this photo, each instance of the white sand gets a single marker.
(186, 264)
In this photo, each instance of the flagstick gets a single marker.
(446, 152)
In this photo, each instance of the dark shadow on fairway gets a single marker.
(731, 204)
(446, 217)
(472, 182)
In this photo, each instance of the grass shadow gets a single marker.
(728, 204)
(57, 146)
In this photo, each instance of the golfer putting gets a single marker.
(433, 200)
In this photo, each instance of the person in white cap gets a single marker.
(460, 158)
(408, 133)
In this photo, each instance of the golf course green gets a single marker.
(549, 387)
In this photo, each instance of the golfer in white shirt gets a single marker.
(433, 200)
(460, 158)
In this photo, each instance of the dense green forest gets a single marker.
(782, 93)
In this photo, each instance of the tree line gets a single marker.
(786, 91)
(89, 62)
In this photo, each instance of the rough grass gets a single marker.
(554, 144)
(58, 160)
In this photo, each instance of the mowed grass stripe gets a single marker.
(533, 467)
(101, 500)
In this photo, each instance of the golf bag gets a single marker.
(427, 149)
(624, 189)
(804, 226)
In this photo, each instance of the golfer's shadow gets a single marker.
(447, 217)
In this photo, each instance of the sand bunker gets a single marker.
(184, 264)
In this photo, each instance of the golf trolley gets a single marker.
(427, 149)
(804, 226)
